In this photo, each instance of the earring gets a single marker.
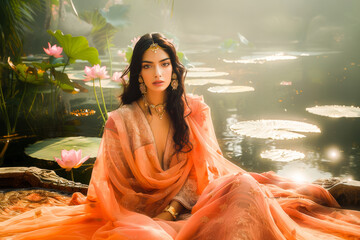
(174, 81)
(142, 85)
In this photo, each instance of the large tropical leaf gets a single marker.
(102, 32)
(76, 47)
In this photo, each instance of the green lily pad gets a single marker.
(49, 148)
(76, 47)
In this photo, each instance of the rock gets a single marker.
(346, 192)
(25, 177)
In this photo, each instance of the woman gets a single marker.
(160, 174)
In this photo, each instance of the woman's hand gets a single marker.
(165, 216)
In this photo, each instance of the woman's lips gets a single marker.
(157, 83)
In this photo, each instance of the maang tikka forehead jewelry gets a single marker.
(154, 47)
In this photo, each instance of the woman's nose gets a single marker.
(158, 71)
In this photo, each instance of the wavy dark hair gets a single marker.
(175, 98)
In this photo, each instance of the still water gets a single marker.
(284, 84)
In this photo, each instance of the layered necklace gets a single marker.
(159, 108)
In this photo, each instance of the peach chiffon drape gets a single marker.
(129, 188)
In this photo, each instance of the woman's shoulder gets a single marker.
(196, 103)
(123, 112)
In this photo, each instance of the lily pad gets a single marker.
(261, 59)
(206, 74)
(48, 148)
(204, 81)
(335, 111)
(230, 89)
(273, 129)
(282, 155)
(104, 84)
(201, 69)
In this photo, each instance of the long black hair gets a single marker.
(175, 99)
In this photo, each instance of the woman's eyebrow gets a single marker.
(144, 61)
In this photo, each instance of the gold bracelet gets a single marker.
(172, 211)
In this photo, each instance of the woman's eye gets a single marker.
(146, 66)
(166, 64)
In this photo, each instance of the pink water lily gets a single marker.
(134, 41)
(95, 72)
(117, 77)
(53, 50)
(71, 159)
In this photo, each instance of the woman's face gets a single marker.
(156, 70)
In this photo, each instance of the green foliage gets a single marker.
(102, 31)
(63, 81)
(76, 47)
(30, 74)
(16, 16)
(182, 58)
(45, 66)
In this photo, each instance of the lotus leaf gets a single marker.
(76, 47)
(48, 148)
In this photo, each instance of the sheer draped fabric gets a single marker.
(129, 188)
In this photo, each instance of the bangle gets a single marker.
(171, 210)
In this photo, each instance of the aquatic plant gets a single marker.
(97, 72)
(53, 51)
(71, 159)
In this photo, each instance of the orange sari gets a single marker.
(129, 187)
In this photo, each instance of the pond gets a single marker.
(287, 86)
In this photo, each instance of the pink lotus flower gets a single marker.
(95, 72)
(53, 50)
(134, 41)
(71, 159)
(122, 53)
(117, 78)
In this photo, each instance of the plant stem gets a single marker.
(103, 99)
(97, 101)
(72, 175)
(18, 110)
(4, 109)
(110, 57)
(67, 63)
(2, 153)
(110, 60)
(32, 103)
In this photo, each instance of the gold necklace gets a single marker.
(159, 108)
